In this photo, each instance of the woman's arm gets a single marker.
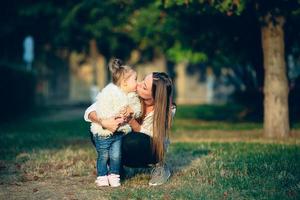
(134, 125)
(111, 124)
(91, 108)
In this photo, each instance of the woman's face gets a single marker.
(144, 89)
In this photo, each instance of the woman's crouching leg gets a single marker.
(137, 150)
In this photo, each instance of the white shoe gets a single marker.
(114, 180)
(102, 181)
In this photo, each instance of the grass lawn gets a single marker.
(53, 159)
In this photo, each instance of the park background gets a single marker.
(236, 70)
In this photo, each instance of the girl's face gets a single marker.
(130, 83)
(144, 89)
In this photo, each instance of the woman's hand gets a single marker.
(112, 124)
(93, 117)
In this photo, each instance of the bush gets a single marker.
(17, 89)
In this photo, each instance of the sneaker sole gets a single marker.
(102, 185)
(114, 186)
(156, 184)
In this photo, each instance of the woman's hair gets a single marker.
(119, 71)
(162, 93)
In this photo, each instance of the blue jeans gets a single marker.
(108, 150)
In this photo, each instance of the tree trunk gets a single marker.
(276, 114)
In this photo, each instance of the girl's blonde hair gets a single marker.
(119, 71)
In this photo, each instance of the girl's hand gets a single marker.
(126, 113)
(129, 110)
(112, 124)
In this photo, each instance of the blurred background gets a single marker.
(55, 53)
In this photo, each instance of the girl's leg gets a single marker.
(102, 147)
(115, 154)
(137, 150)
(115, 161)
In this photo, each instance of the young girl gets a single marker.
(115, 99)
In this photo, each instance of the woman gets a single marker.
(147, 143)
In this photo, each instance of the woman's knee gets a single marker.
(137, 151)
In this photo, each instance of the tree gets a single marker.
(272, 16)
(170, 27)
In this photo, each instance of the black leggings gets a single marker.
(136, 150)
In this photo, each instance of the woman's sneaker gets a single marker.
(102, 181)
(114, 180)
(160, 174)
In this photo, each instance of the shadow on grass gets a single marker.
(179, 157)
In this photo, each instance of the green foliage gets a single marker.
(230, 7)
(98, 20)
(187, 30)
(225, 6)
(178, 54)
(144, 26)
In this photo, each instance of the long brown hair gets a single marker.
(162, 93)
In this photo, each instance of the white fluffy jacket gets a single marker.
(110, 102)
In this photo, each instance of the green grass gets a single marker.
(212, 117)
(229, 112)
(55, 159)
(194, 124)
(234, 170)
(219, 117)
(29, 135)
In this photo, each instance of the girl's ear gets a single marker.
(124, 82)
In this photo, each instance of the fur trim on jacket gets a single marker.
(110, 102)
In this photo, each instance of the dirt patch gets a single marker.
(59, 188)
